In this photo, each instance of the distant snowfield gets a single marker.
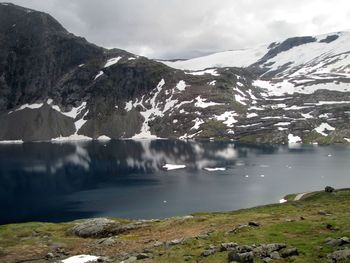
(234, 58)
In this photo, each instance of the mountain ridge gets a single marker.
(55, 86)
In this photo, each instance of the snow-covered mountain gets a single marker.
(55, 86)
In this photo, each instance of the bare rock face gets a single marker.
(96, 228)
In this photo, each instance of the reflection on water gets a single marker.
(59, 182)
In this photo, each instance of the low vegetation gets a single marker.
(313, 226)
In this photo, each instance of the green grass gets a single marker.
(296, 223)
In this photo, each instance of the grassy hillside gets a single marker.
(304, 224)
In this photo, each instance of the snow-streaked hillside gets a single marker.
(234, 58)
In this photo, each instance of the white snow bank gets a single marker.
(81, 259)
(181, 86)
(169, 167)
(283, 201)
(215, 169)
(293, 139)
(234, 58)
(103, 138)
(201, 103)
(112, 61)
(73, 137)
(228, 117)
(324, 127)
(212, 72)
(99, 75)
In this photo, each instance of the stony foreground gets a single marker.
(313, 229)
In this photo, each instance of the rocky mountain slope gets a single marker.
(56, 86)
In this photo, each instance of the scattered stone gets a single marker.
(158, 244)
(289, 252)
(264, 251)
(187, 258)
(324, 213)
(49, 256)
(275, 255)
(254, 224)
(203, 236)
(129, 260)
(302, 218)
(246, 257)
(236, 229)
(208, 252)
(329, 189)
(228, 246)
(335, 242)
(107, 241)
(174, 242)
(142, 256)
(338, 256)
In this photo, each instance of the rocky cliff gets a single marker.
(57, 86)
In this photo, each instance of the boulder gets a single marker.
(97, 227)
(208, 252)
(338, 256)
(254, 224)
(266, 249)
(228, 246)
(289, 252)
(329, 189)
(246, 257)
(101, 227)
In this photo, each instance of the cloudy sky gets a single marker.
(189, 28)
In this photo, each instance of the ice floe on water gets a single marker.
(11, 142)
(215, 169)
(103, 138)
(81, 259)
(170, 167)
(73, 137)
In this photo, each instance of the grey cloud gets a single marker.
(187, 28)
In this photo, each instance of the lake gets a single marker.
(62, 182)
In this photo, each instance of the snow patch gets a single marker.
(293, 139)
(252, 115)
(215, 169)
(198, 122)
(170, 167)
(181, 86)
(99, 75)
(103, 138)
(201, 103)
(81, 259)
(112, 61)
(228, 118)
(324, 127)
(212, 72)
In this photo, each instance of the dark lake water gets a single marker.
(60, 182)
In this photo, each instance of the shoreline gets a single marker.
(307, 223)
